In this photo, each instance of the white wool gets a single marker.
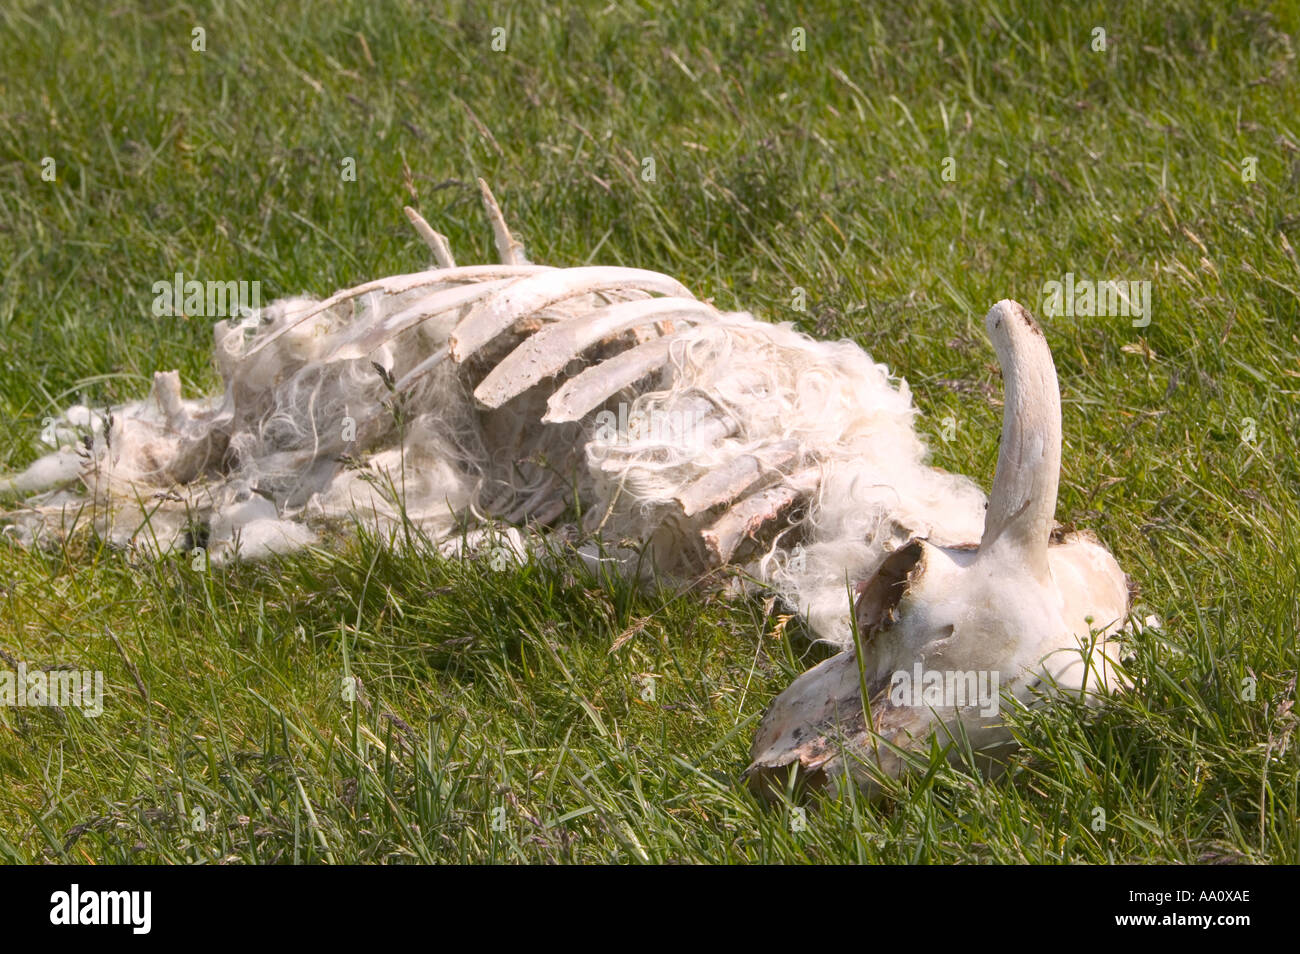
(307, 433)
(260, 538)
(846, 413)
(53, 470)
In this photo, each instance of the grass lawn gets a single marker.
(911, 165)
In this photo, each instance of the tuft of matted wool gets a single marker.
(459, 396)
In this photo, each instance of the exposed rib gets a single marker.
(362, 340)
(509, 249)
(396, 284)
(728, 482)
(503, 310)
(436, 241)
(599, 382)
(729, 531)
(406, 381)
(551, 349)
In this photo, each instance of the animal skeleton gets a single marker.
(522, 393)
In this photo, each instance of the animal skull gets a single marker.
(1032, 607)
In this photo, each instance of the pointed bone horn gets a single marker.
(1018, 523)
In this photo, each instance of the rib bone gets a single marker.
(746, 517)
(599, 382)
(730, 481)
(510, 250)
(547, 352)
(504, 309)
(362, 340)
(406, 381)
(437, 242)
(396, 284)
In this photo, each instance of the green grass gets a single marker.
(520, 697)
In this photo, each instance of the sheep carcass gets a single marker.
(520, 393)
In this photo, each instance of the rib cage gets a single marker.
(522, 393)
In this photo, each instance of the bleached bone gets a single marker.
(408, 380)
(548, 351)
(729, 481)
(363, 339)
(750, 514)
(597, 384)
(398, 284)
(501, 311)
(1035, 610)
(436, 241)
(510, 250)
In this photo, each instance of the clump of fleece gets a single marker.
(317, 424)
(850, 419)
